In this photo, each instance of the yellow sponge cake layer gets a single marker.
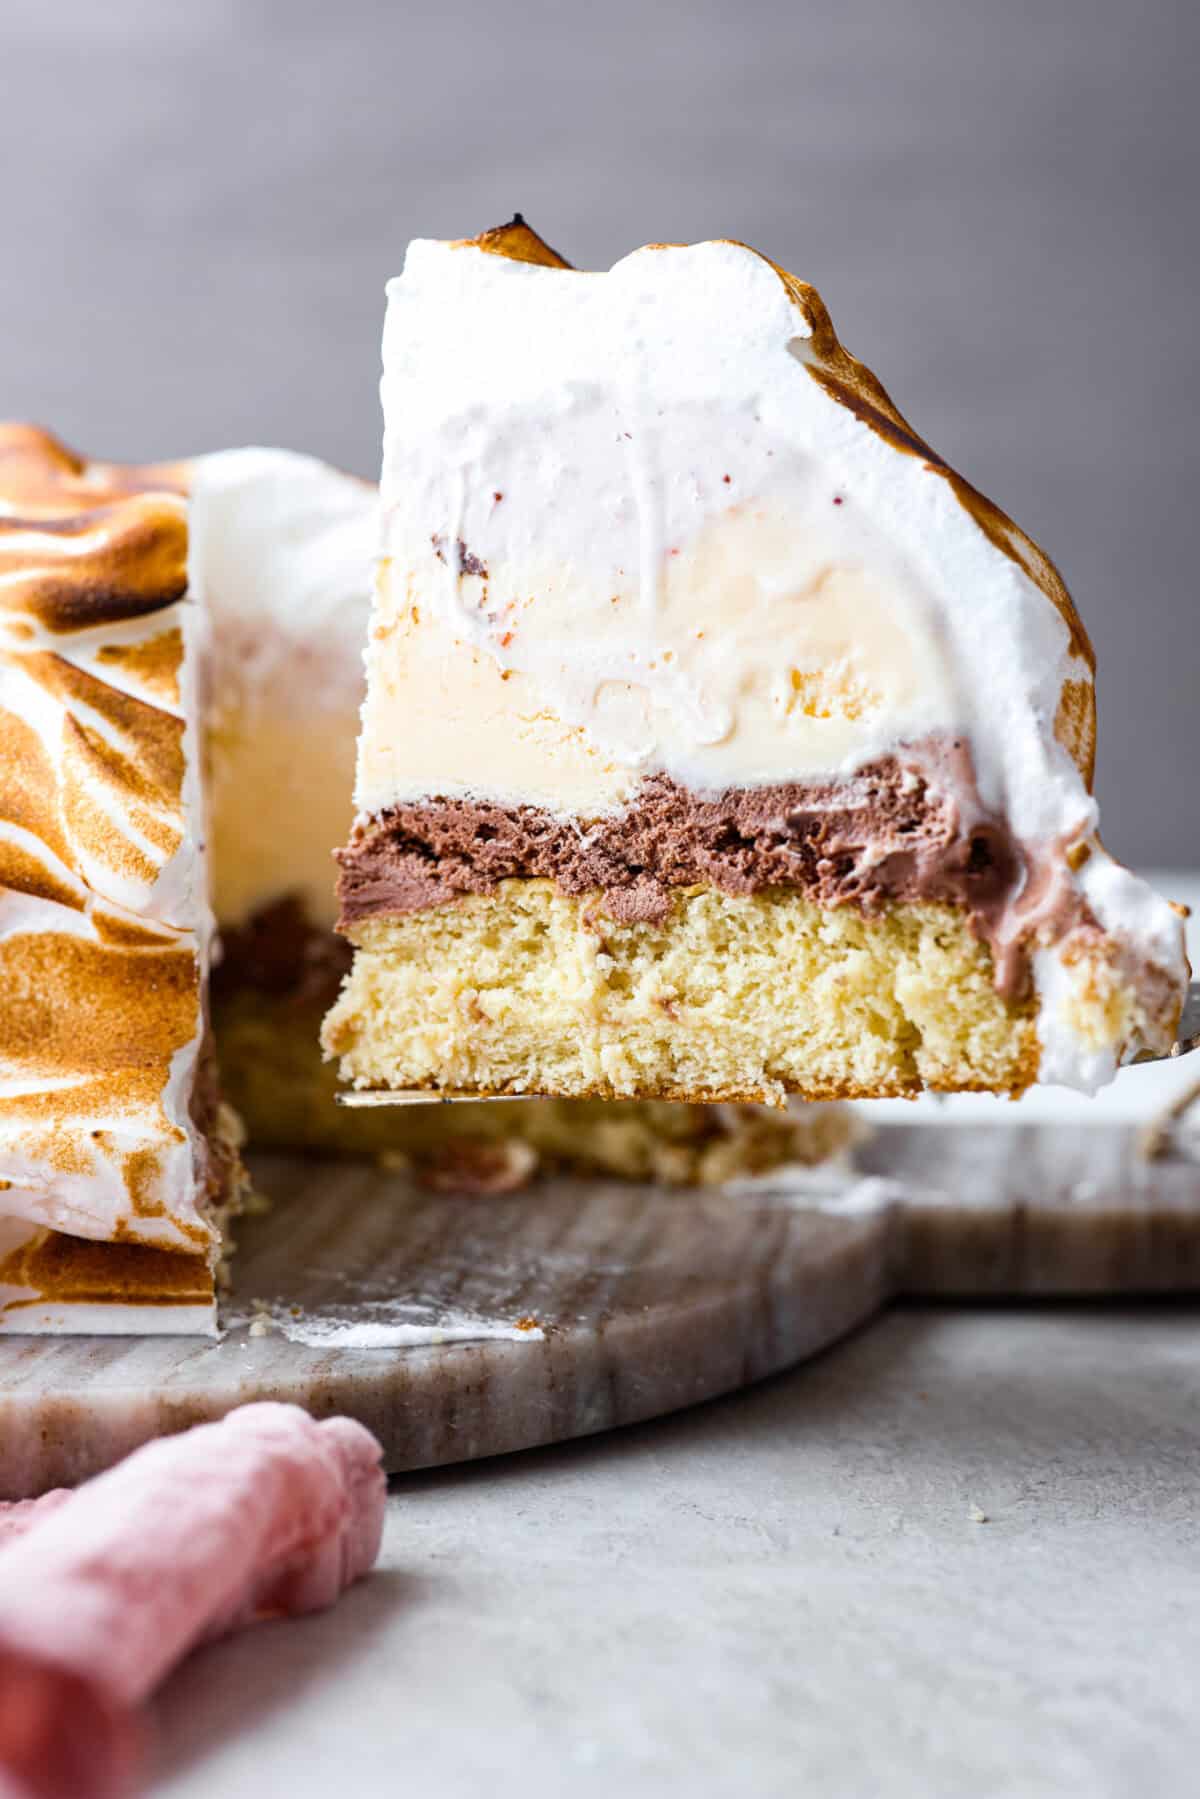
(274, 1075)
(748, 996)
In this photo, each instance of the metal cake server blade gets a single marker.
(1187, 1039)
(1188, 1035)
(421, 1096)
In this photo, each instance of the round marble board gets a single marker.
(457, 1326)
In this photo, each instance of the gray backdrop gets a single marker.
(998, 198)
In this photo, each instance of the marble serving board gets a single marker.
(457, 1327)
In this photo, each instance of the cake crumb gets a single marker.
(394, 1161)
(473, 1165)
(1157, 1138)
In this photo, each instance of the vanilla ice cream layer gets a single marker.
(281, 553)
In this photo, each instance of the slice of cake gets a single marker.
(721, 742)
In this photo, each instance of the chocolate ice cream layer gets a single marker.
(907, 827)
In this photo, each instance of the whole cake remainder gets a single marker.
(180, 683)
(161, 668)
(720, 741)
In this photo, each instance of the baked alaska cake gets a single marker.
(180, 683)
(721, 742)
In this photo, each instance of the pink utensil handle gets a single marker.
(104, 1590)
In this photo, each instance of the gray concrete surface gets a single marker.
(787, 1592)
(202, 202)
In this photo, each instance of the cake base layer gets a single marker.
(730, 997)
(285, 1094)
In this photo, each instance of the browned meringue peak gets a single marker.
(519, 242)
(92, 731)
(86, 543)
(90, 548)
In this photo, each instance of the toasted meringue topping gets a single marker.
(102, 907)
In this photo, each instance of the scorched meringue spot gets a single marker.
(720, 740)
